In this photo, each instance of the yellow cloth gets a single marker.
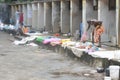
(25, 29)
(65, 40)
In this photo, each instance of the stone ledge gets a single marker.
(85, 57)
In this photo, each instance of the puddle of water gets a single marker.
(3, 54)
(56, 76)
(67, 73)
(61, 60)
(7, 51)
(76, 74)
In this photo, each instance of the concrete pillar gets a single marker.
(118, 22)
(109, 20)
(34, 16)
(75, 16)
(65, 16)
(56, 16)
(24, 14)
(48, 16)
(84, 21)
(40, 15)
(99, 10)
(16, 7)
(20, 7)
(29, 14)
(13, 12)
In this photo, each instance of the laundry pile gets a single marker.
(33, 38)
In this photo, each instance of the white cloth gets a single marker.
(105, 54)
(77, 52)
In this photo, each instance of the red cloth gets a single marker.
(21, 18)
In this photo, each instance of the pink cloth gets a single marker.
(47, 41)
(84, 37)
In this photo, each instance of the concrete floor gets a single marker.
(34, 63)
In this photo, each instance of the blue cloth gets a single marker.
(81, 29)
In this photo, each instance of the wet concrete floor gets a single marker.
(22, 62)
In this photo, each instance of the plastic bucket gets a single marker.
(114, 72)
(107, 78)
(107, 72)
(114, 40)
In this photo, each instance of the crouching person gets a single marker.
(22, 30)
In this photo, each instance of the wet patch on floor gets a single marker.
(58, 74)
(3, 54)
(61, 60)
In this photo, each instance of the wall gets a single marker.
(29, 14)
(109, 20)
(75, 16)
(48, 16)
(34, 15)
(90, 14)
(56, 16)
(40, 15)
(25, 14)
(65, 16)
(4, 13)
